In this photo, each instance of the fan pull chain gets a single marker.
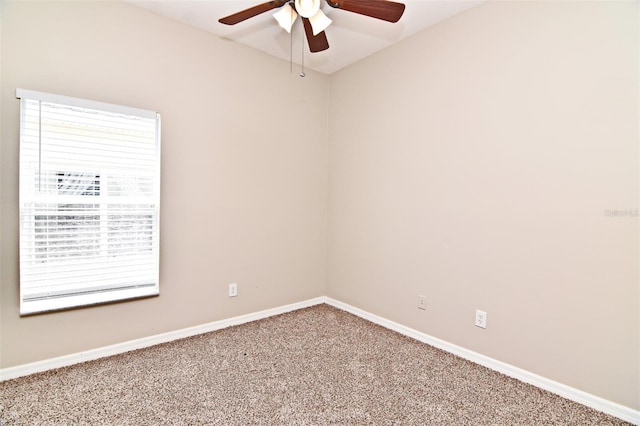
(291, 45)
(302, 74)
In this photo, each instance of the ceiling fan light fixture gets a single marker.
(319, 22)
(307, 8)
(313, 19)
(286, 16)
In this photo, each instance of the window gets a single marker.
(89, 202)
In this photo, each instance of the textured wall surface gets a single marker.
(244, 174)
(480, 164)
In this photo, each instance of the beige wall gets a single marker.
(242, 200)
(473, 163)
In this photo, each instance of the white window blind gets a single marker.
(89, 202)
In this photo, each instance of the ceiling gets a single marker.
(351, 36)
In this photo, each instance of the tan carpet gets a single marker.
(315, 366)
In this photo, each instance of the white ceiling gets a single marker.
(351, 36)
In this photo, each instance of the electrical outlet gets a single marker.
(233, 290)
(422, 302)
(481, 319)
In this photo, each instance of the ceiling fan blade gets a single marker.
(317, 43)
(251, 12)
(380, 9)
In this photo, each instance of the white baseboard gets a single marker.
(600, 404)
(573, 394)
(66, 360)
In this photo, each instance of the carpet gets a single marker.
(314, 366)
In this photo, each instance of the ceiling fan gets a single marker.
(313, 19)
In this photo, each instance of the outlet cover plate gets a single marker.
(233, 290)
(481, 319)
(422, 302)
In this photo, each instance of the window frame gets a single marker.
(86, 295)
